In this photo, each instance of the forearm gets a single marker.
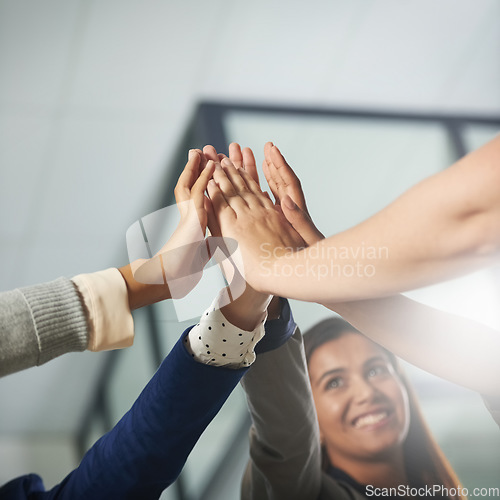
(284, 441)
(147, 449)
(142, 294)
(454, 348)
(447, 225)
(39, 323)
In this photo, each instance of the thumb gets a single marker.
(300, 221)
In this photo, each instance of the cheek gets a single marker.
(395, 391)
(329, 410)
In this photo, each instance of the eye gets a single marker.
(374, 371)
(334, 383)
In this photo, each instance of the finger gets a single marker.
(203, 160)
(249, 164)
(198, 190)
(210, 152)
(270, 172)
(245, 186)
(222, 180)
(267, 150)
(288, 181)
(267, 153)
(270, 181)
(187, 178)
(300, 221)
(235, 154)
(284, 170)
(234, 175)
(220, 205)
(221, 156)
(250, 182)
(255, 191)
(278, 187)
(231, 184)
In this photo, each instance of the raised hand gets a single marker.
(180, 262)
(246, 311)
(287, 191)
(247, 215)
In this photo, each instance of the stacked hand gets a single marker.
(287, 191)
(247, 308)
(264, 230)
(180, 262)
(236, 209)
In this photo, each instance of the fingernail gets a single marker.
(289, 203)
(191, 153)
(211, 182)
(226, 162)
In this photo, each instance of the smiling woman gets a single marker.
(371, 428)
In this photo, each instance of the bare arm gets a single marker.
(452, 347)
(183, 257)
(447, 225)
(457, 349)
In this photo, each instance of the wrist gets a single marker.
(142, 294)
(247, 310)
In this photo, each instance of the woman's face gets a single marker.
(361, 403)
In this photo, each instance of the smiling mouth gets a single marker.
(370, 419)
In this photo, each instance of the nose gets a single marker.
(363, 390)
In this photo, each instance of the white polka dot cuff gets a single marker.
(215, 341)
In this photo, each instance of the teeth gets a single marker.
(372, 418)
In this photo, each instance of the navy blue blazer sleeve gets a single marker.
(146, 450)
(278, 331)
